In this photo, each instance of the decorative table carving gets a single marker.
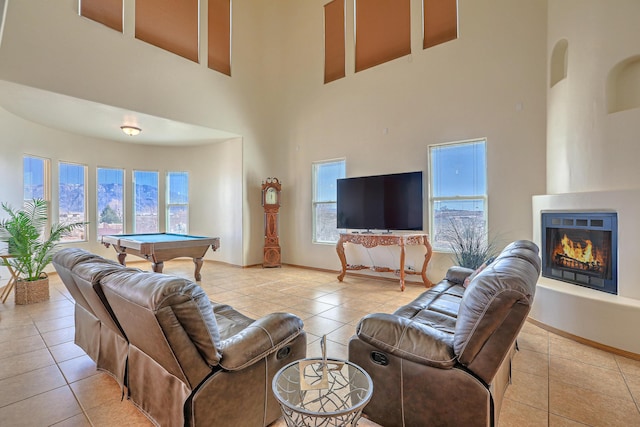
(370, 240)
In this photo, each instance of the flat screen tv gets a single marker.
(381, 202)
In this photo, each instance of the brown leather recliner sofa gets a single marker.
(445, 358)
(188, 361)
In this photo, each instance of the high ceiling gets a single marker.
(96, 120)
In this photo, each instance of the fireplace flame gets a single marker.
(576, 251)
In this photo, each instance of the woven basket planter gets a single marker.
(32, 292)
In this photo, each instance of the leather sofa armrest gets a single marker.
(257, 340)
(457, 274)
(407, 339)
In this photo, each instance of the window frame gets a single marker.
(169, 205)
(134, 210)
(46, 177)
(84, 228)
(315, 203)
(433, 199)
(122, 200)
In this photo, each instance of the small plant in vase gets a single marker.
(31, 248)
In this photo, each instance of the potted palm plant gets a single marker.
(31, 248)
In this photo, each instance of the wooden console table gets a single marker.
(370, 240)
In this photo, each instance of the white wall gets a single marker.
(215, 172)
(592, 163)
(488, 83)
(589, 149)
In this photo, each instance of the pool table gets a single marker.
(161, 247)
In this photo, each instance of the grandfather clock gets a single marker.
(271, 203)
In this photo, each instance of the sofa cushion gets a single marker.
(177, 303)
(421, 331)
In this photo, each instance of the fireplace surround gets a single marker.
(600, 317)
(581, 248)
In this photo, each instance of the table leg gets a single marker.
(121, 257)
(427, 257)
(7, 289)
(10, 284)
(401, 266)
(343, 259)
(157, 266)
(198, 263)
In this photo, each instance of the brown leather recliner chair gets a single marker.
(98, 332)
(445, 358)
(87, 324)
(192, 362)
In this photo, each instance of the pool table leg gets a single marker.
(157, 266)
(121, 257)
(198, 263)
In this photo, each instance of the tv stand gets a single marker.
(382, 239)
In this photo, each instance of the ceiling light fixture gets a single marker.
(131, 130)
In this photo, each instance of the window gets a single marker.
(35, 181)
(145, 202)
(458, 190)
(325, 175)
(72, 205)
(178, 202)
(110, 199)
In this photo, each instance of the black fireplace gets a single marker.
(581, 248)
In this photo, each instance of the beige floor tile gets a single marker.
(58, 336)
(53, 324)
(66, 351)
(321, 325)
(334, 298)
(44, 409)
(532, 329)
(532, 362)
(604, 381)
(117, 414)
(628, 366)
(633, 382)
(97, 390)
(262, 308)
(23, 386)
(22, 331)
(313, 306)
(529, 389)
(516, 414)
(77, 421)
(21, 363)
(533, 342)
(344, 315)
(558, 421)
(21, 346)
(342, 334)
(325, 305)
(305, 292)
(564, 347)
(361, 304)
(590, 407)
(78, 368)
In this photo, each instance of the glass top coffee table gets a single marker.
(312, 393)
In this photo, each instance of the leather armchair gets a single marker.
(445, 358)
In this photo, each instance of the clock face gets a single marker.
(271, 197)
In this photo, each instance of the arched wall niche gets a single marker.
(623, 85)
(559, 58)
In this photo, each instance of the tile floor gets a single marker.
(45, 379)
